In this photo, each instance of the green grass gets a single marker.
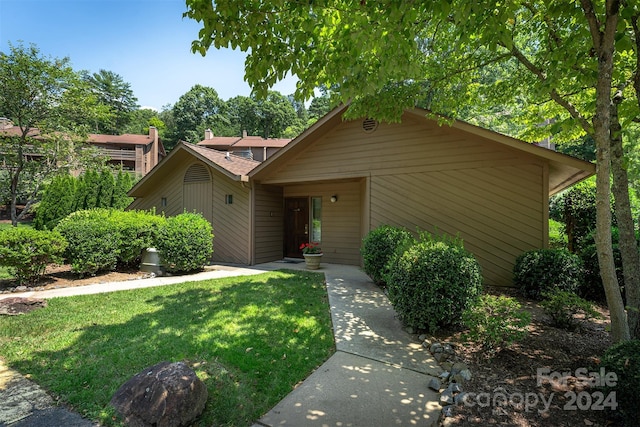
(250, 339)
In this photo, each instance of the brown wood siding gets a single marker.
(347, 151)
(171, 189)
(497, 219)
(268, 220)
(231, 222)
(341, 221)
(417, 173)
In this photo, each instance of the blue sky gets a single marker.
(147, 42)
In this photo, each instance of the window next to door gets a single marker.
(316, 219)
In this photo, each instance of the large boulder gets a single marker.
(163, 395)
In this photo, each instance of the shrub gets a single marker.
(543, 270)
(137, 230)
(495, 321)
(623, 359)
(185, 242)
(93, 241)
(433, 282)
(563, 306)
(378, 247)
(57, 202)
(27, 252)
(96, 188)
(557, 238)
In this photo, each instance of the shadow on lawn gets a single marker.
(250, 341)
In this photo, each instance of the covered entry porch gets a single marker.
(331, 213)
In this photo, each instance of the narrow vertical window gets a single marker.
(316, 219)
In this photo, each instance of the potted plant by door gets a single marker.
(312, 255)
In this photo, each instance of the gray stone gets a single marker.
(457, 367)
(163, 395)
(447, 412)
(444, 375)
(459, 399)
(436, 347)
(454, 388)
(440, 357)
(434, 384)
(466, 374)
(446, 397)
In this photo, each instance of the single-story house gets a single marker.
(340, 179)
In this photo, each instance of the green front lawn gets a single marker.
(250, 339)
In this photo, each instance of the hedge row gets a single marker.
(104, 239)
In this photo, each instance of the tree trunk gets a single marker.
(627, 239)
(604, 44)
(14, 198)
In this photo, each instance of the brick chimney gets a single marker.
(155, 154)
(208, 134)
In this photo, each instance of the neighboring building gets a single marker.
(251, 147)
(340, 179)
(134, 153)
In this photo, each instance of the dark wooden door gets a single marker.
(296, 225)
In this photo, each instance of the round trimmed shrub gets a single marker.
(544, 270)
(26, 252)
(93, 241)
(623, 359)
(137, 230)
(185, 242)
(432, 283)
(378, 247)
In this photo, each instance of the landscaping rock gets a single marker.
(15, 306)
(434, 384)
(163, 395)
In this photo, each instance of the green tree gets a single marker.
(113, 92)
(49, 103)
(573, 62)
(198, 109)
(141, 119)
(275, 113)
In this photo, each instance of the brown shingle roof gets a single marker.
(234, 164)
(126, 138)
(243, 142)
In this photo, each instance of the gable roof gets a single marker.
(234, 167)
(126, 138)
(564, 170)
(243, 142)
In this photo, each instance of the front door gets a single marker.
(296, 225)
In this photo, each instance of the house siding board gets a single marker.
(419, 174)
(392, 149)
(496, 229)
(268, 223)
(230, 222)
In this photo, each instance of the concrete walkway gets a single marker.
(378, 375)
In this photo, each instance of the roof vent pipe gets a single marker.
(208, 134)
